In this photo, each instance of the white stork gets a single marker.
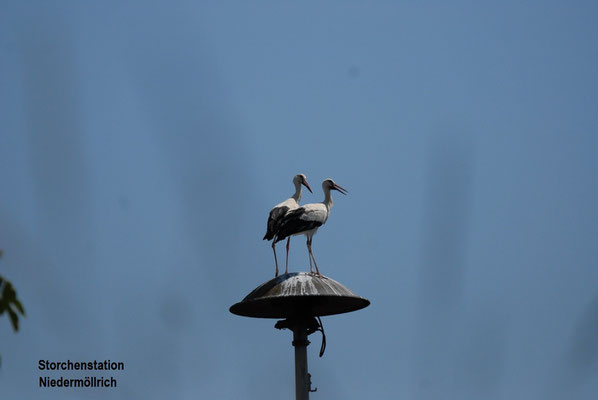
(279, 211)
(307, 219)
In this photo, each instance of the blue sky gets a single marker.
(143, 143)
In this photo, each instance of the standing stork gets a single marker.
(307, 219)
(279, 211)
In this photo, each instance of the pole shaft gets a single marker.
(300, 342)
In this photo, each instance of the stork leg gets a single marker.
(286, 269)
(311, 254)
(311, 268)
(275, 259)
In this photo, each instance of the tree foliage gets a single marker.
(9, 303)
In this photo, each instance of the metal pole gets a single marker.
(300, 342)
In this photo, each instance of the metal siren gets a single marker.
(299, 294)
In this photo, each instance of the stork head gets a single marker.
(329, 184)
(300, 179)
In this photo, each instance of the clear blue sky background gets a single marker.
(142, 145)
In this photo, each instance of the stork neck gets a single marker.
(298, 192)
(327, 199)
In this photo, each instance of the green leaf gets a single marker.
(14, 319)
(19, 306)
(8, 294)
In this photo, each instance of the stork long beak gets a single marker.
(306, 185)
(340, 189)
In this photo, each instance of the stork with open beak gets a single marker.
(279, 211)
(307, 219)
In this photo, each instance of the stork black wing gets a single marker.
(274, 219)
(295, 221)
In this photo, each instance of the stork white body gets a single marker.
(279, 211)
(306, 220)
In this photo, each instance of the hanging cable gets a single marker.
(321, 329)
